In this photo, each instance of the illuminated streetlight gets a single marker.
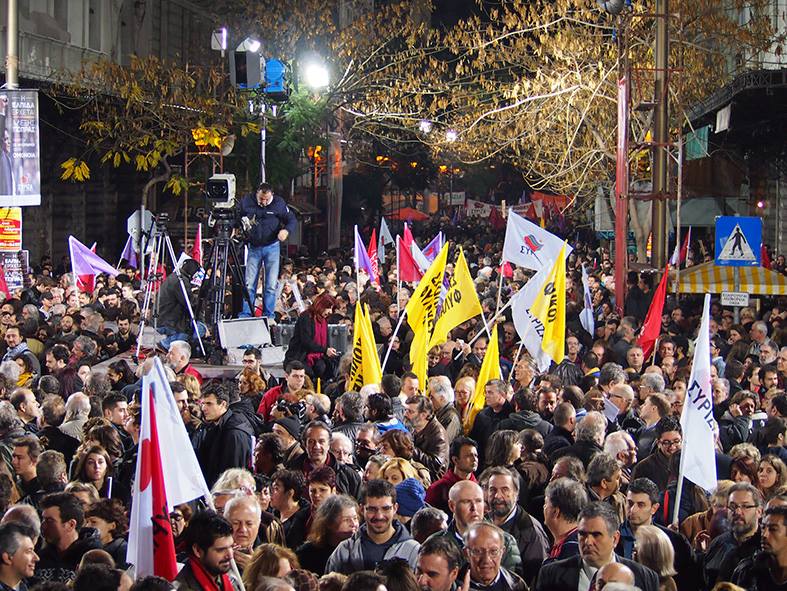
(316, 76)
(250, 44)
(451, 135)
(425, 126)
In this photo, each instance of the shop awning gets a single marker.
(708, 278)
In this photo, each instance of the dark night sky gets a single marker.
(448, 12)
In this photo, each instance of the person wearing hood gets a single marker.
(525, 416)
(382, 537)
(224, 439)
(66, 540)
(410, 496)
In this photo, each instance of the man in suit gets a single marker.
(598, 536)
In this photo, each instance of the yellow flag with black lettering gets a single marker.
(421, 313)
(550, 308)
(490, 370)
(460, 303)
(365, 367)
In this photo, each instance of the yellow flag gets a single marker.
(490, 370)
(422, 312)
(365, 367)
(460, 303)
(550, 308)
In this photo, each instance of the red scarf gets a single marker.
(320, 339)
(207, 582)
(557, 547)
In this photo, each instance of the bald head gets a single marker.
(462, 489)
(614, 572)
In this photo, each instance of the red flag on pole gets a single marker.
(408, 268)
(4, 284)
(372, 251)
(765, 259)
(679, 256)
(196, 248)
(652, 327)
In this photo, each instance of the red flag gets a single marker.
(4, 284)
(196, 248)
(652, 327)
(408, 268)
(497, 221)
(679, 256)
(372, 251)
(765, 259)
(506, 269)
(407, 237)
(151, 476)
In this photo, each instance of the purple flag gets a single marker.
(85, 262)
(432, 249)
(129, 254)
(362, 260)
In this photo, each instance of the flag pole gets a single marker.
(398, 282)
(393, 335)
(516, 358)
(486, 326)
(499, 286)
(677, 219)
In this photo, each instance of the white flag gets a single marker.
(530, 328)
(586, 315)
(384, 238)
(529, 245)
(183, 479)
(698, 456)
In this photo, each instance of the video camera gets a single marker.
(220, 191)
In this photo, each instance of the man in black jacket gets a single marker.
(598, 536)
(431, 445)
(488, 420)
(590, 439)
(268, 222)
(525, 416)
(224, 439)
(174, 318)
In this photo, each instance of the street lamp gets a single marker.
(451, 135)
(425, 126)
(316, 76)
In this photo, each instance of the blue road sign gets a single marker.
(738, 241)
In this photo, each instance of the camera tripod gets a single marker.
(222, 255)
(162, 242)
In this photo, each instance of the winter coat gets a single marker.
(448, 417)
(531, 540)
(348, 481)
(431, 448)
(348, 556)
(222, 445)
(526, 419)
(558, 438)
(61, 568)
(268, 220)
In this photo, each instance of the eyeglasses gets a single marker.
(733, 508)
(672, 443)
(479, 552)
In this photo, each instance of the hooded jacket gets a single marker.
(526, 419)
(348, 481)
(348, 556)
(61, 568)
(222, 445)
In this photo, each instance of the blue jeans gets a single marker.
(259, 256)
(174, 335)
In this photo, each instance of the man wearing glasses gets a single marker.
(726, 551)
(484, 549)
(380, 538)
(656, 466)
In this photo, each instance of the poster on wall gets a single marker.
(10, 229)
(15, 265)
(20, 176)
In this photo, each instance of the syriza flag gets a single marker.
(163, 480)
(529, 245)
(698, 458)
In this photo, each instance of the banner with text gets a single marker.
(20, 175)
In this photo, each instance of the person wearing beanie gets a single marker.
(288, 431)
(411, 496)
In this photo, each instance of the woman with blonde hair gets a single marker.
(771, 476)
(192, 386)
(463, 392)
(397, 470)
(269, 560)
(654, 550)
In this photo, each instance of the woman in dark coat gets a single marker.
(309, 342)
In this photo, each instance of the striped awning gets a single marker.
(708, 278)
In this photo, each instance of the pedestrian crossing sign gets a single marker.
(738, 241)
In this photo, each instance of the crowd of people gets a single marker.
(565, 480)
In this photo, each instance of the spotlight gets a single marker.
(425, 126)
(451, 135)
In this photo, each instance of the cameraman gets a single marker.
(267, 221)
(174, 320)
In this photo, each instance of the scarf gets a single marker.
(207, 582)
(320, 339)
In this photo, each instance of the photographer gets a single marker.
(174, 318)
(267, 221)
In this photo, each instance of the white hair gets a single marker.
(242, 501)
(339, 436)
(370, 389)
(181, 346)
(617, 442)
(441, 386)
(77, 406)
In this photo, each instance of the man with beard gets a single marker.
(726, 551)
(125, 337)
(381, 537)
(502, 492)
(210, 546)
(438, 565)
(547, 401)
(431, 446)
(179, 359)
(767, 569)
